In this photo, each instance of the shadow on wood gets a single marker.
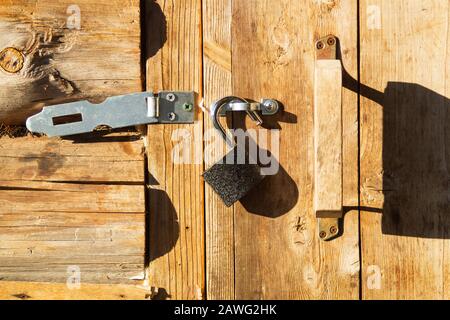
(163, 228)
(416, 158)
(106, 136)
(278, 193)
(161, 294)
(155, 33)
(275, 196)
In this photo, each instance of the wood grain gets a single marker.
(62, 202)
(58, 61)
(217, 84)
(278, 252)
(176, 191)
(328, 138)
(61, 206)
(404, 149)
(57, 291)
(93, 162)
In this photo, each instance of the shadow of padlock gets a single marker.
(238, 172)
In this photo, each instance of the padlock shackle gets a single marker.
(215, 111)
(234, 104)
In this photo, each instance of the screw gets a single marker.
(331, 41)
(188, 107)
(171, 97)
(333, 230)
(320, 45)
(270, 106)
(322, 234)
(171, 116)
(11, 60)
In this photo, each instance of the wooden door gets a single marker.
(142, 226)
(278, 254)
(265, 247)
(400, 248)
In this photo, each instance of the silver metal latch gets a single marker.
(115, 112)
(267, 107)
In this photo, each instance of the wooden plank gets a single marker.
(217, 84)
(55, 291)
(62, 206)
(176, 191)
(405, 160)
(328, 139)
(65, 51)
(70, 203)
(278, 252)
(61, 160)
(78, 197)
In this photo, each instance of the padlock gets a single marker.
(239, 171)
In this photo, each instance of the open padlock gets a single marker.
(239, 171)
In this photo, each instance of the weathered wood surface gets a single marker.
(176, 191)
(277, 250)
(11, 290)
(68, 204)
(51, 52)
(219, 219)
(405, 218)
(328, 138)
(65, 203)
(61, 160)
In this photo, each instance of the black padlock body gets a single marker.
(233, 177)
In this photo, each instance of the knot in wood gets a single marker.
(11, 60)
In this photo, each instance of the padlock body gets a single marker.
(233, 177)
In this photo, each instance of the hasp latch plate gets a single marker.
(115, 112)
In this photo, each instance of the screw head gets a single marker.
(331, 41)
(270, 106)
(320, 45)
(11, 60)
(188, 107)
(333, 230)
(322, 234)
(172, 116)
(171, 97)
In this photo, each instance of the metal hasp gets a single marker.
(328, 172)
(115, 112)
